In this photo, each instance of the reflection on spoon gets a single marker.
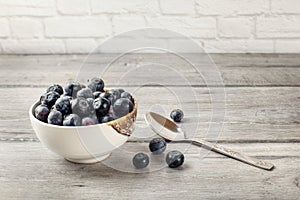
(170, 131)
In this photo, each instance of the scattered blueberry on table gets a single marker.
(174, 159)
(157, 145)
(78, 105)
(140, 160)
(177, 115)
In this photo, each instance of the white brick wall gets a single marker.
(237, 27)
(4, 30)
(79, 26)
(73, 7)
(22, 28)
(176, 7)
(74, 27)
(278, 27)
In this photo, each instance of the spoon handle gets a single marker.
(233, 154)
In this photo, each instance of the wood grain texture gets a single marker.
(236, 70)
(261, 120)
(252, 114)
(36, 173)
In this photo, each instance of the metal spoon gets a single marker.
(170, 131)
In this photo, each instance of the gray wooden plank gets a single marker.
(29, 171)
(236, 70)
(256, 59)
(260, 121)
(252, 114)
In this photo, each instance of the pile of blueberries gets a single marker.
(78, 105)
(157, 146)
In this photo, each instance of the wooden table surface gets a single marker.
(262, 120)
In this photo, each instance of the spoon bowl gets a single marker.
(164, 127)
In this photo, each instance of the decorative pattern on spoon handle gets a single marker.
(236, 155)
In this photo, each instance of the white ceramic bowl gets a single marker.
(84, 144)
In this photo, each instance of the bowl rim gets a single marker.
(34, 105)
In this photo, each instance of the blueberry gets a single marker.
(106, 118)
(101, 106)
(90, 100)
(96, 94)
(108, 96)
(56, 88)
(122, 107)
(121, 90)
(41, 113)
(176, 115)
(65, 95)
(82, 107)
(96, 84)
(72, 120)
(174, 159)
(127, 95)
(85, 93)
(72, 88)
(157, 145)
(87, 121)
(140, 160)
(63, 105)
(115, 93)
(49, 99)
(55, 117)
(111, 112)
(95, 118)
(105, 95)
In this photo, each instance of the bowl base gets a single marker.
(88, 161)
